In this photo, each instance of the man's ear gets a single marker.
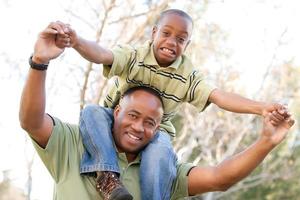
(154, 31)
(116, 110)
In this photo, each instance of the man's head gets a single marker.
(171, 35)
(136, 119)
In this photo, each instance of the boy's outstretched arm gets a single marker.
(234, 169)
(90, 50)
(236, 103)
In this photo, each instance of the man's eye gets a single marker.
(132, 116)
(151, 124)
(165, 33)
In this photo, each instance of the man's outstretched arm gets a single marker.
(234, 169)
(32, 106)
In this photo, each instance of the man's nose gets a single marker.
(137, 126)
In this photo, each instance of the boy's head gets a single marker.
(171, 35)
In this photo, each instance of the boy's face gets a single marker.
(170, 38)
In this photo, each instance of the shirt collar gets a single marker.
(150, 58)
(122, 156)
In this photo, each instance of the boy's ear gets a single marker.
(187, 44)
(154, 31)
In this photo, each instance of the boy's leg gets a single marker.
(158, 168)
(100, 156)
(95, 128)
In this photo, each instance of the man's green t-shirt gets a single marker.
(62, 157)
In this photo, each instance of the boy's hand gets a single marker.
(68, 39)
(276, 112)
(276, 132)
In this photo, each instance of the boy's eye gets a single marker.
(180, 39)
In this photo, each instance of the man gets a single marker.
(136, 119)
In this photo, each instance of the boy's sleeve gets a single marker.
(199, 91)
(123, 55)
(56, 155)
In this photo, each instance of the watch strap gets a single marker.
(37, 66)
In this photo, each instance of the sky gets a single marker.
(254, 28)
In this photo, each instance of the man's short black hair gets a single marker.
(144, 88)
(176, 12)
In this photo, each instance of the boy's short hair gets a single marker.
(176, 12)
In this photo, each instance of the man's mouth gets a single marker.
(133, 137)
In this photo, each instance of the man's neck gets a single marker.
(130, 157)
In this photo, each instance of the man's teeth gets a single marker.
(133, 137)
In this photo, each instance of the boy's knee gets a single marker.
(96, 112)
(91, 110)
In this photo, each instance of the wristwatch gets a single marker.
(37, 66)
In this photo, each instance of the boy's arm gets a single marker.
(90, 50)
(234, 169)
(236, 103)
(93, 52)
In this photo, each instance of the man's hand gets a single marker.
(45, 48)
(275, 132)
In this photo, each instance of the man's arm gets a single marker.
(238, 104)
(234, 169)
(90, 50)
(32, 106)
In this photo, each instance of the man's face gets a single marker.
(136, 120)
(170, 38)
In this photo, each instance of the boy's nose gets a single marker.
(171, 41)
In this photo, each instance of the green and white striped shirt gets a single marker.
(176, 84)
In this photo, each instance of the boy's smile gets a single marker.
(170, 38)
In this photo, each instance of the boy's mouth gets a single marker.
(168, 51)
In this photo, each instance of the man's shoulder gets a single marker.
(180, 185)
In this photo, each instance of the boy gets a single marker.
(161, 65)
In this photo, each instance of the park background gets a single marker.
(250, 47)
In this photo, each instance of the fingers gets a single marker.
(290, 121)
(62, 40)
(60, 27)
(276, 116)
(62, 33)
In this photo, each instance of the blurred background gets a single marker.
(249, 47)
